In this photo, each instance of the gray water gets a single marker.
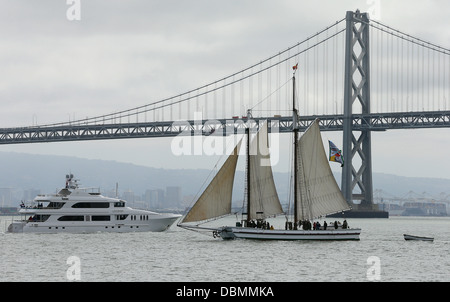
(181, 255)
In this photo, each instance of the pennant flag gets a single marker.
(336, 154)
(295, 67)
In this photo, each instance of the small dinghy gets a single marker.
(413, 237)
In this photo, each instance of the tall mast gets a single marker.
(295, 129)
(247, 130)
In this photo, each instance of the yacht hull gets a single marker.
(85, 210)
(159, 224)
(262, 234)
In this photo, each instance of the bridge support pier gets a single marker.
(357, 182)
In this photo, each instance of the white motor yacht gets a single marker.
(82, 210)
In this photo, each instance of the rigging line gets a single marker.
(214, 170)
(197, 229)
(290, 176)
(273, 92)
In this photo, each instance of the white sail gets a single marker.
(318, 192)
(216, 199)
(264, 200)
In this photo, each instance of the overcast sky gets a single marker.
(123, 54)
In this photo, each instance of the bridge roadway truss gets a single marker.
(224, 127)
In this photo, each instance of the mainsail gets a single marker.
(319, 193)
(264, 200)
(216, 199)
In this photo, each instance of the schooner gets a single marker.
(316, 192)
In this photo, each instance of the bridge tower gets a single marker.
(357, 98)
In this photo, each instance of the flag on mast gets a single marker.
(336, 154)
(295, 67)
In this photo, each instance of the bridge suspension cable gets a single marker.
(408, 73)
(282, 62)
(399, 34)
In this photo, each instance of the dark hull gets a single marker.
(412, 237)
(360, 214)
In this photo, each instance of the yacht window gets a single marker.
(101, 218)
(39, 218)
(55, 205)
(121, 217)
(119, 204)
(91, 205)
(71, 218)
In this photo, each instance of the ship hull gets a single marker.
(160, 224)
(413, 237)
(262, 234)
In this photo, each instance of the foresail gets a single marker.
(216, 199)
(264, 200)
(319, 194)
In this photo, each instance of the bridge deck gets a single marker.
(74, 132)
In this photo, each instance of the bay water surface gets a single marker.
(179, 255)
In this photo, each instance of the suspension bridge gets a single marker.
(356, 75)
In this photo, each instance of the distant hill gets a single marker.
(22, 171)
